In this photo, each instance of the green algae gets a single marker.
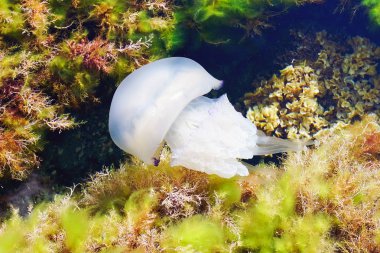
(195, 234)
(374, 9)
(53, 57)
(219, 22)
(304, 205)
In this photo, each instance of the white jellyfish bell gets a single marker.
(163, 101)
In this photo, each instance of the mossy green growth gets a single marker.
(71, 71)
(374, 9)
(229, 191)
(308, 204)
(11, 20)
(26, 112)
(55, 54)
(195, 234)
(225, 20)
(11, 240)
(272, 224)
(75, 223)
(140, 204)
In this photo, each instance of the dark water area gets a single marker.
(76, 154)
(70, 157)
(241, 62)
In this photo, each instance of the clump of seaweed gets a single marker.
(213, 18)
(288, 105)
(330, 82)
(321, 200)
(55, 54)
(374, 9)
(25, 111)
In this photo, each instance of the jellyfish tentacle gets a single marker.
(271, 145)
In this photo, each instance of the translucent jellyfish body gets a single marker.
(163, 101)
(148, 101)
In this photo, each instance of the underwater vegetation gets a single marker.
(54, 55)
(374, 9)
(60, 63)
(222, 21)
(321, 200)
(330, 81)
(25, 113)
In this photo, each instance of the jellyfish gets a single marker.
(164, 101)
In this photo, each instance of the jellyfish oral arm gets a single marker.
(211, 136)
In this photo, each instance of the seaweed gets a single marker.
(227, 21)
(374, 9)
(329, 83)
(319, 200)
(53, 57)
